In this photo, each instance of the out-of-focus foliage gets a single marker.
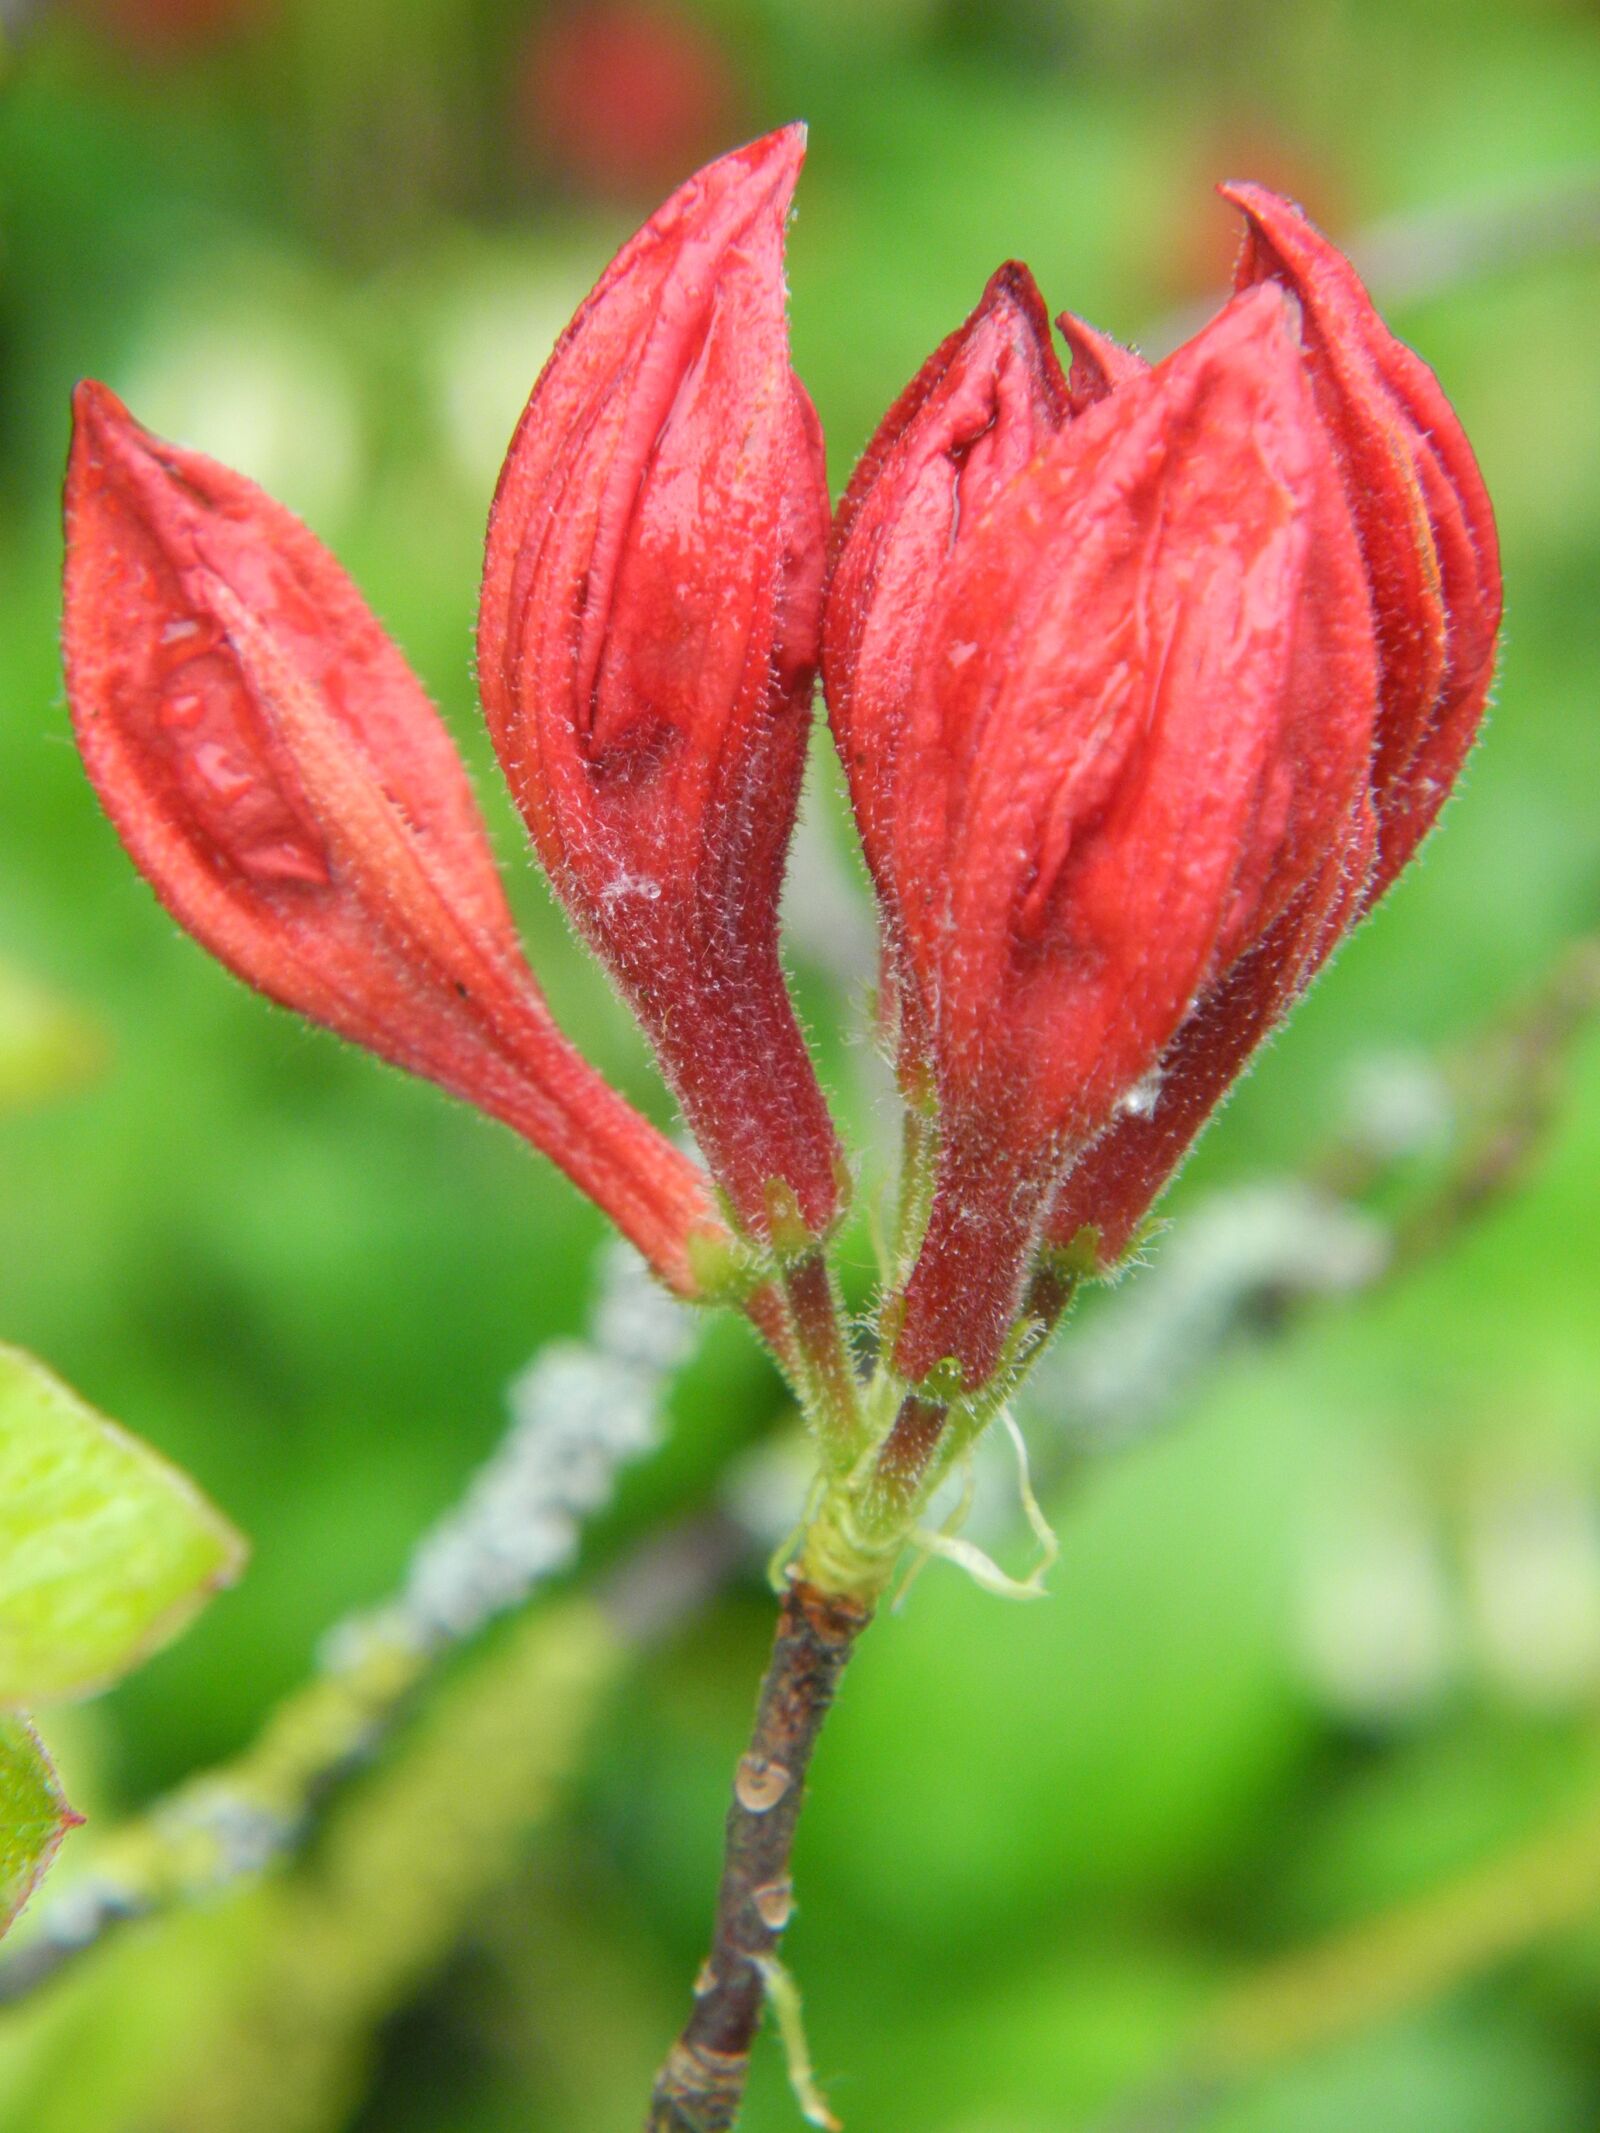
(105, 1549)
(1329, 1644)
(261, 2013)
(34, 1815)
(45, 1046)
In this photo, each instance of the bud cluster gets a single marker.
(1147, 681)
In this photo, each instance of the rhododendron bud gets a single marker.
(1427, 537)
(647, 646)
(1140, 723)
(975, 414)
(278, 775)
(1102, 1202)
(1422, 514)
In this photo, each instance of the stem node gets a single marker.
(701, 2082)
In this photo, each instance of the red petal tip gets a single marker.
(1280, 226)
(1099, 363)
(771, 162)
(95, 408)
(1260, 203)
(1012, 283)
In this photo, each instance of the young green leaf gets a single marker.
(106, 1551)
(33, 1815)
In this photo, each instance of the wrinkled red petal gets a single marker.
(647, 645)
(1099, 364)
(976, 413)
(1144, 713)
(280, 778)
(1429, 548)
(1422, 513)
(1110, 1188)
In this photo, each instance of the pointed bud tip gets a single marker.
(96, 409)
(1268, 214)
(784, 148)
(1012, 298)
(1013, 287)
(720, 202)
(1279, 236)
(769, 165)
(107, 434)
(1252, 198)
(1099, 363)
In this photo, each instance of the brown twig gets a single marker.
(701, 2082)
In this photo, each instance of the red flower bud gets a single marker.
(1106, 1194)
(1099, 364)
(1422, 514)
(1428, 544)
(278, 775)
(975, 414)
(647, 644)
(1137, 726)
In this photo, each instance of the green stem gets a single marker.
(930, 1433)
(823, 1369)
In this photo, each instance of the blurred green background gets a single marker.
(1327, 1646)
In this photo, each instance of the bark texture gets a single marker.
(701, 2082)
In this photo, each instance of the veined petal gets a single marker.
(647, 646)
(280, 778)
(986, 401)
(1143, 718)
(1422, 513)
(1429, 552)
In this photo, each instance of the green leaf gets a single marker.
(106, 1551)
(33, 1815)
